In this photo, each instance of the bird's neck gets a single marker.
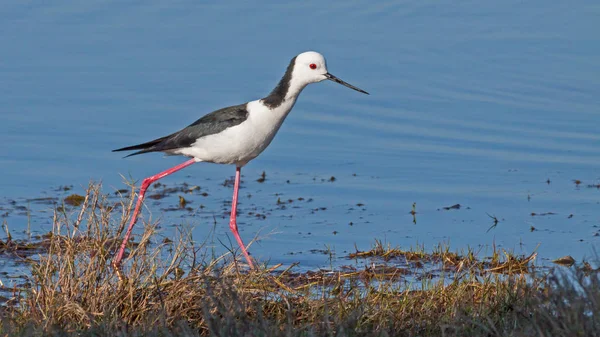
(294, 90)
(286, 91)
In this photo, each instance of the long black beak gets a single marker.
(337, 80)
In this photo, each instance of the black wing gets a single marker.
(212, 123)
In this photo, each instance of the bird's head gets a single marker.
(311, 67)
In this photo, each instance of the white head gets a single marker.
(311, 67)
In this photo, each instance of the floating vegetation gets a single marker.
(565, 261)
(182, 202)
(262, 178)
(542, 214)
(455, 206)
(43, 201)
(75, 200)
(500, 262)
(23, 249)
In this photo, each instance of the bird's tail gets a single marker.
(144, 147)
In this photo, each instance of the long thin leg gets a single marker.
(145, 183)
(232, 220)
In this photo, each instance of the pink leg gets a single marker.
(145, 184)
(232, 220)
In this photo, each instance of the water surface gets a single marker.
(493, 106)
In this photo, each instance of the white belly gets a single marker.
(241, 143)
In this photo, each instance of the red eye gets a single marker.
(313, 66)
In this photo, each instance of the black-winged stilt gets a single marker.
(234, 135)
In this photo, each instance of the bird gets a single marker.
(233, 135)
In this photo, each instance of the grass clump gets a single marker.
(500, 262)
(171, 288)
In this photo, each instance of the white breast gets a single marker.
(241, 143)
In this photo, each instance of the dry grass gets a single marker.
(502, 262)
(174, 289)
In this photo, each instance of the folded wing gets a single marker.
(210, 124)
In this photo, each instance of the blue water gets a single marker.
(472, 103)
